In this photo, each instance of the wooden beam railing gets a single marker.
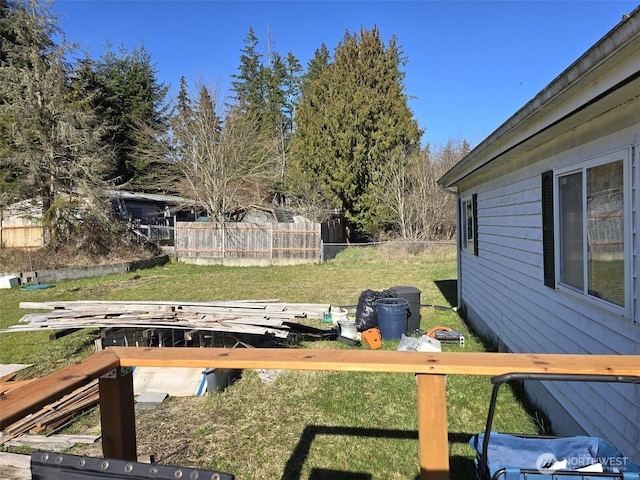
(20, 402)
(116, 391)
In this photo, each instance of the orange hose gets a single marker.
(438, 328)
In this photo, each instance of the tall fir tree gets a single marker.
(317, 64)
(133, 102)
(54, 137)
(352, 123)
(248, 86)
(266, 90)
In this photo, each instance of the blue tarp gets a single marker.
(513, 453)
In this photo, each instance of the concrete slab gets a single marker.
(149, 400)
(7, 368)
(151, 397)
(177, 382)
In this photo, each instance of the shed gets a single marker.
(548, 232)
(149, 208)
(263, 215)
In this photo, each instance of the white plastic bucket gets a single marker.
(338, 315)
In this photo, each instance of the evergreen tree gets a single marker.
(282, 92)
(292, 84)
(9, 187)
(54, 139)
(183, 107)
(132, 101)
(273, 119)
(181, 118)
(267, 94)
(317, 64)
(352, 123)
(248, 88)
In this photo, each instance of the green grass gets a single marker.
(304, 424)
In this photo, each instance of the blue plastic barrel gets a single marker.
(392, 317)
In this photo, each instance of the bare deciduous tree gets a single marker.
(225, 159)
(419, 208)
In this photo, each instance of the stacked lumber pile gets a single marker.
(260, 317)
(55, 415)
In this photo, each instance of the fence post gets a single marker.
(223, 240)
(432, 427)
(117, 415)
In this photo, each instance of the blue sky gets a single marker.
(471, 64)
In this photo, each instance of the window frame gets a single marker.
(469, 223)
(624, 155)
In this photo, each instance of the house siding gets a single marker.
(505, 299)
(590, 110)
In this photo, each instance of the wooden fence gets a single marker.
(248, 243)
(18, 232)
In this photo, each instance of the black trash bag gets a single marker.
(366, 312)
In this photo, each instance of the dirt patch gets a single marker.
(164, 432)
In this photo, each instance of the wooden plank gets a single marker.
(12, 385)
(8, 377)
(51, 442)
(440, 363)
(15, 466)
(15, 459)
(56, 412)
(205, 326)
(117, 394)
(432, 427)
(27, 399)
(88, 308)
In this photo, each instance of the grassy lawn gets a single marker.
(303, 425)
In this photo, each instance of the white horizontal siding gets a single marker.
(503, 285)
(510, 255)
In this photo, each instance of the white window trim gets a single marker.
(466, 203)
(623, 154)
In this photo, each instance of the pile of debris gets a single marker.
(257, 317)
(55, 416)
(138, 323)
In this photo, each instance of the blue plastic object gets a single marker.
(392, 317)
(37, 286)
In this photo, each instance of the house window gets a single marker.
(591, 229)
(469, 214)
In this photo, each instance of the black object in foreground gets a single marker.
(58, 466)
